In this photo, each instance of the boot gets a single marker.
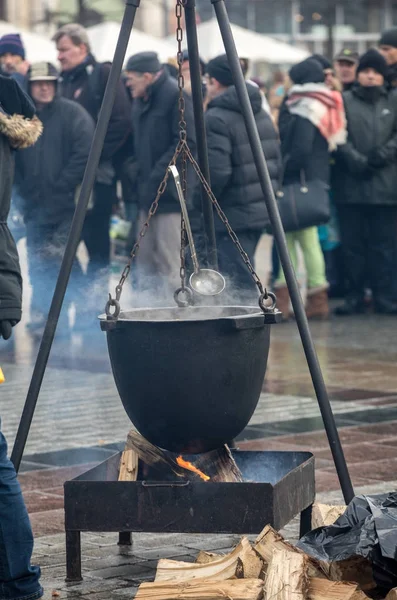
(283, 301)
(317, 303)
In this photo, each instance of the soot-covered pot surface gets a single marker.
(189, 378)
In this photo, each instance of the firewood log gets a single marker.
(235, 589)
(287, 576)
(204, 558)
(128, 466)
(357, 569)
(218, 570)
(322, 589)
(270, 540)
(326, 514)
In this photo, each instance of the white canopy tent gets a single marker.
(103, 40)
(255, 46)
(38, 47)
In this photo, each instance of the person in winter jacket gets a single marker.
(311, 125)
(155, 122)
(12, 58)
(47, 176)
(388, 49)
(234, 178)
(18, 578)
(84, 80)
(365, 184)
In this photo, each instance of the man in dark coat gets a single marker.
(84, 80)
(155, 122)
(365, 185)
(388, 49)
(234, 178)
(18, 579)
(47, 176)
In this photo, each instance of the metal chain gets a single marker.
(263, 291)
(115, 302)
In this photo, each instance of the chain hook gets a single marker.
(265, 307)
(112, 303)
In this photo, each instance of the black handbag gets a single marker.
(304, 204)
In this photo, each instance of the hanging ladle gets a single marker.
(206, 282)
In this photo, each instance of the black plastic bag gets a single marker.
(369, 529)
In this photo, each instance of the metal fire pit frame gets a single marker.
(97, 501)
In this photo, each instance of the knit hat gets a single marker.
(348, 56)
(324, 62)
(12, 43)
(219, 69)
(42, 71)
(373, 60)
(307, 71)
(144, 62)
(203, 66)
(389, 38)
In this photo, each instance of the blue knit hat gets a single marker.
(12, 43)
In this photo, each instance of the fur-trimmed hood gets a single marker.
(20, 132)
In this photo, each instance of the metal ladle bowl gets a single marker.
(206, 282)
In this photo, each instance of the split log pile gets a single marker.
(268, 569)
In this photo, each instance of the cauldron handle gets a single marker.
(264, 307)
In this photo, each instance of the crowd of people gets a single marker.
(333, 122)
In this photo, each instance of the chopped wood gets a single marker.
(128, 466)
(217, 570)
(322, 589)
(204, 558)
(326, 514)
(235, 589)
(249, 564)
(287, 576)
(270, 540)
(392, 595)
(219, 465)
(357, 569)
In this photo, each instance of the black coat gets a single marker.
(234, 178)
(155, 122)
(48, 173)
(86, 85)
(371, 125)
(14, 132)
(303, 148)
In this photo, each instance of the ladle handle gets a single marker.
(177, 179)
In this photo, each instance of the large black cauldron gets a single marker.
(189, 378)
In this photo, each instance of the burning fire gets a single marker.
(188, 465)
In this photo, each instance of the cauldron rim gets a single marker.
(220, 314)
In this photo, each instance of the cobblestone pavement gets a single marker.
(80, 422)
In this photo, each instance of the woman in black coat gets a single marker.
(311, 123)
(365, 184)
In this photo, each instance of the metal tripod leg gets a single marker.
(75, 233)
(297, 303)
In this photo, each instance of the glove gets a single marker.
(376, 159)
(6, 329)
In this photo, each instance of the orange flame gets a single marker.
(187, 465)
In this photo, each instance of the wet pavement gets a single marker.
(80, 422)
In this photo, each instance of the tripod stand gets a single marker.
(88, 182)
